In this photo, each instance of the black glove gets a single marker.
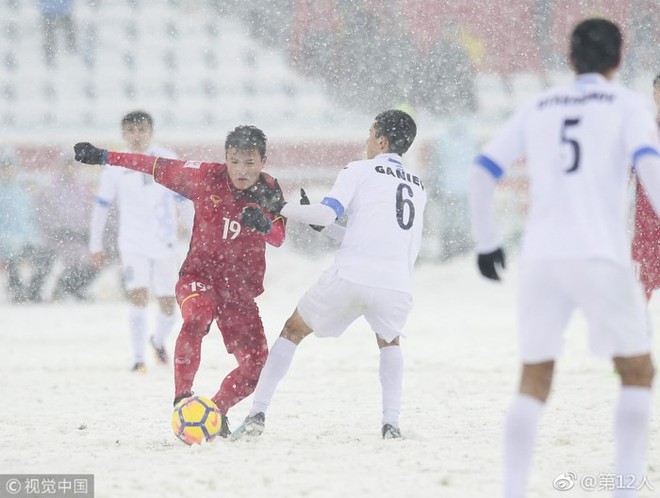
(88, 154)
(488, 263)
(267, 197)
(304, 201)
(254, 218)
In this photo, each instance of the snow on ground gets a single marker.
(72, 406)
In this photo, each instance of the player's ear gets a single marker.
(263, 161)
(384, 143)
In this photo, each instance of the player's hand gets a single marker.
(489, 262)
(88, 154)
(304, 201)
(267, 197)
(254, 218)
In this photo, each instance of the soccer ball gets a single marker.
(196, 420)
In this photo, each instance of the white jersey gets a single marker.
(579, 142)
(385, 208)
(147, 211)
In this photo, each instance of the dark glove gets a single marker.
(488, 263)
(267, 197)
(88, 154)
(304, 201)
(254, 218)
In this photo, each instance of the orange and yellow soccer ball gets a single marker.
(196, 420)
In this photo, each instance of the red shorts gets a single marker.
(238, 320)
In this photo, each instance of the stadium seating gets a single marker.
(190, 68)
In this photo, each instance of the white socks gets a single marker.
(277, 364)
(520, 430)
(631, 428)
(137, 324)
(164, 324)
(391, 381)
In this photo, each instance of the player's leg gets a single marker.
(49, 40)
(136, 281)
(631, 420)
(42, 260)
(274, 369)
(243, 334)
(521, 426)
(618, 327)
(543, 312)
(615, 309)
(198, 310)
(327, 308)
(278, 362)
(15, 287)
(137, 324)
(69, 32)
(164, 281)
(164, 323)
(387, 313)
(391, 381)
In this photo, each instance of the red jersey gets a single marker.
(222, 252)
(646, 242)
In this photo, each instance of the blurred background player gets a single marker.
(371, 276)
(65, 212)
(146, 240)
(57, 14)
(237, 209)
(646, 239)
(22, 248)
(578, 141)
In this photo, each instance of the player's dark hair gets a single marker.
(137, 117)
(399, 128)
(246, 137)
(596, 46)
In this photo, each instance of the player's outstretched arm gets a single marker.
(312, 214)
(334, 230)
(490, 256)
(182, 177)
(89, 154)
(304, 201)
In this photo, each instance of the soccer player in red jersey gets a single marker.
(646, 238)
(237, 209)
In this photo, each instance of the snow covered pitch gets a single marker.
(70, 404)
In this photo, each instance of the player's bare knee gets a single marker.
(635, 371)
(167, 305)
(295, 329)
(382, 343)
(536, 380)
(137, 297)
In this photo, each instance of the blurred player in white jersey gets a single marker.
(146, 238)
(578, 142)
(371, 277)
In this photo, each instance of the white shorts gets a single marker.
(333, 303)
(158, 275)
(608, 294)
